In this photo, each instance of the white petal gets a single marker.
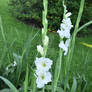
(67, 42)
(62, 45)
(65, 53)
(42, 81)
(61, 33)
(39, 83)
(48, 77)
(68, 14)
(67, 34)
(43, 63)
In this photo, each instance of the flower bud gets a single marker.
(46, 41)
(42, 30)
(40, 49)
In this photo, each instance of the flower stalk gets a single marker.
(43, 64)
(72, 43)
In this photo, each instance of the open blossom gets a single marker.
(64, 33)
(65, 46)
(65, 26)
(43, 63)
(68, 23)
(40, 49)
(43, 78)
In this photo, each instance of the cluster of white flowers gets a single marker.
(42, 73)
(64, 32)
(43, 76)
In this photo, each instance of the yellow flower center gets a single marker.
(43, 64)
(42, 77)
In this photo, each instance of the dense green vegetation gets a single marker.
(18, 35)
(55, 11)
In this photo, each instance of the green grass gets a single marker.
(21, 33)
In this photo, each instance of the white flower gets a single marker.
(40, 49)
(64, 33)
(65, 46)
(43, 63)
(46, 41)
(65, 26)
(68, 23)
(61, 33)
(68, 14)
(62, 45)
(42, 78)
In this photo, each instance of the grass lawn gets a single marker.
(18, 34)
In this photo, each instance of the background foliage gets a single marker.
(18, 37)
(31, 11)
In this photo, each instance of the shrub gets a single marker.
(31, 11)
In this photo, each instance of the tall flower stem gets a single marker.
(71, 49)
(44, 29)
(45, 25)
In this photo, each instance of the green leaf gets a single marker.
(9, 84)
(85, 25)
(74, 86)
(2, 30)
(57, 71)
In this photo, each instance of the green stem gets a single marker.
(43, 90)
(45, 25)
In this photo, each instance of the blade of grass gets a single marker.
(25, 52)
(2, 30)
(57, 72)
(26, 80)
(11, 86)
(86, 44)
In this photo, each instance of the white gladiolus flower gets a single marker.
(46, 41)
(43, 78)
(65, 26)
(68, 23)
(63, 34)
(40, 49)
(62, 45)
(65, 46)
(43, 63)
